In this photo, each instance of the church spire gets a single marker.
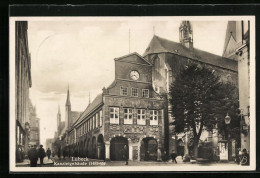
(68, 97)
(59, 109)
(186, 34)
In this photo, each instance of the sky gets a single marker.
(79, 54)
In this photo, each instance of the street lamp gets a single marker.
(227, 122)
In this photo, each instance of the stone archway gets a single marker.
(116, 146)
(89, 148)
(100, 147)
(94, 147)
(148, 149)
(85, 148)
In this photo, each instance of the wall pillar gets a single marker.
(130, 152)
(99, 151)
(107, 145)
(159, 154)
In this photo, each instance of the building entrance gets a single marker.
(148, 150)
(180, 148)
(116, 148)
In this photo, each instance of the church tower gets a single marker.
(186, 34)
(67, 110)
(58, 120)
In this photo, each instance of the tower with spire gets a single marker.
(186, 34)
(58, 120)
(67, 109)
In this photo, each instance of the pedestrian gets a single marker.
(22, 153)
(125, 154)
(173, 156)
(164, 156)
(33, 156)
(48, 153)
(59, 152)
(18, 155)
(237, 160)
(41, 153)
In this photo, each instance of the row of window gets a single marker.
(134, 92)
(92, 123)
(128, 116)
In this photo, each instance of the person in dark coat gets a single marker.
(173, 156)
(33, 156)
(48, 153)
(41, 153)
(59, 152)
(125, 154)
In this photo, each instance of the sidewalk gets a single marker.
(26, 162)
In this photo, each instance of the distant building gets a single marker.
(237, 48)
(23, 82)
(63, 126)
(60, 124)
(34, 126)
(49, 143)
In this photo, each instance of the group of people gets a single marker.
(34, 154)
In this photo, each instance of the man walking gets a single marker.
(33, 156)
(48, 153)
(125, 154)
(41, 154)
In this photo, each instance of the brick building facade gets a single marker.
(128, 112)
(23, 82)
(237, 48)
(169, 58)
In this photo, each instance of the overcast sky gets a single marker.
(81, 54)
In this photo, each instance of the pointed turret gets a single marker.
(68, 98)
(58, 120)
(59, 109)
(186, 34)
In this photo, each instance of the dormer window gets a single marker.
(123, 91)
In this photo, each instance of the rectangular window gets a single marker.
(97, 120)
(135, 92)
(145, 93)
(94, 122)
(100, 118)
(153, 117)
(123, 91)
(91, 125)
(128, 116)
(141, 117)
(114, 115)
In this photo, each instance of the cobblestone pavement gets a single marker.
(26, 163)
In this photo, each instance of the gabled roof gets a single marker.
(231, 31)
(143, 60)
(161, 45)
(96, 102)
(74, 115)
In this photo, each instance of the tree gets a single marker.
(201, 101)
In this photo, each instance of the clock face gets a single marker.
(134, 75)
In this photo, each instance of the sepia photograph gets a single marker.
(132, 93)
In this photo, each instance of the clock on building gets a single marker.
(134, 75)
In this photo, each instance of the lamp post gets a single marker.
(227, 122)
